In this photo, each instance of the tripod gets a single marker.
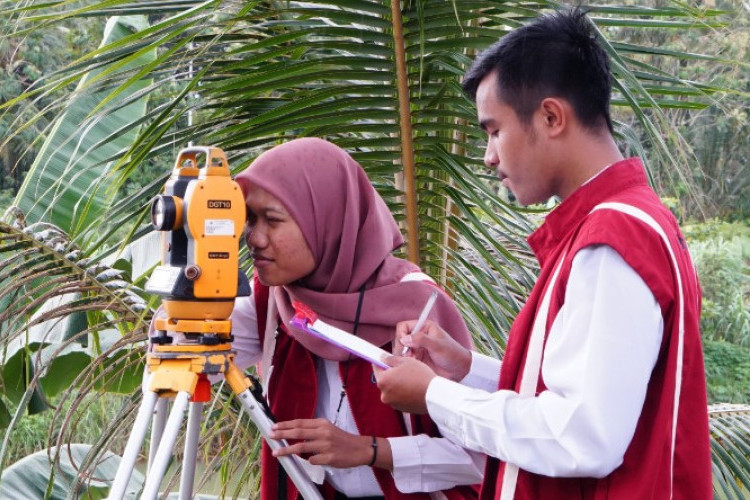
(180, 371)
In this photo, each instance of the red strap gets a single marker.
(260, 296)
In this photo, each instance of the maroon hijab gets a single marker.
(351, 234)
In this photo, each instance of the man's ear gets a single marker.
(555, 115)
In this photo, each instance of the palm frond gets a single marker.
(47, 282)
(730, 448)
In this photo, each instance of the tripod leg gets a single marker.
(241, 386)
(191, 450)
(130, 455)
(157, 428)
(164, 453)
(294, 469)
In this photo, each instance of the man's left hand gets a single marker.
(404, 384)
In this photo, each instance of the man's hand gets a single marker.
(329, 445)
(404, 384)
(434, 347)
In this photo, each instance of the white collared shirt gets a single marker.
(597, 363)
(420, 463)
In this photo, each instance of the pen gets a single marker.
(422, 317)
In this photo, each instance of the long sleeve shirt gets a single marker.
(420, 463)
(598, 359)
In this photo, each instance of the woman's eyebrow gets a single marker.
(272, 209)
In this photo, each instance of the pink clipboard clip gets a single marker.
(303, 314)
(306, 320)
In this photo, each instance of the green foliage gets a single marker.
(32, 433)
(45, 282)
(711, 177)
(720, 229)
(68, 183)
(24, 60)
(727, 372)
(6, 198)
(60, 473)
(721, 253)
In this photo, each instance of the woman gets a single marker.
(320, 234)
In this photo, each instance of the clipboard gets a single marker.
(306, 320)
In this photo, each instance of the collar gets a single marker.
(565, 217)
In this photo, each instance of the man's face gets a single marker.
(514, 150)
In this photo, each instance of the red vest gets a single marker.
(652, 468)
(293, 392)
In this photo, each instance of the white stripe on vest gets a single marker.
(647, 219)
(530, 375)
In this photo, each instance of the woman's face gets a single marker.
(277, 245)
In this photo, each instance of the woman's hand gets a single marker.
(329, 445)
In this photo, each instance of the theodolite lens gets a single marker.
(163, 213)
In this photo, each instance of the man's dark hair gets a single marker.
(556, 55)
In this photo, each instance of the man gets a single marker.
(601, 393)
